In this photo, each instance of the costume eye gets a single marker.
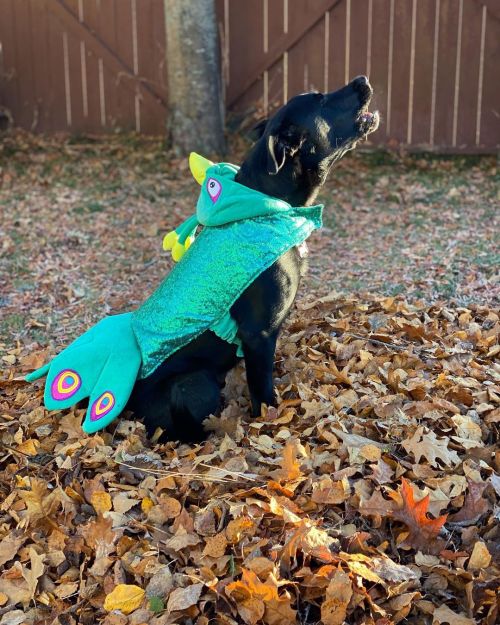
(214, 189)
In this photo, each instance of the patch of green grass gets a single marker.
(11, 324)
(90, 207)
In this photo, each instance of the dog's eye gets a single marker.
(214, 189)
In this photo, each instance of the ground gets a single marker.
(370, 495)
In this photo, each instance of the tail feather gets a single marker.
(102, 364)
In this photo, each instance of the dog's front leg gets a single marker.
(258, 351)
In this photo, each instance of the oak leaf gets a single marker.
(41, 504)
(100, 536)
(431, 448)
(423, 531)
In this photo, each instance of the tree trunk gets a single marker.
(196, 105)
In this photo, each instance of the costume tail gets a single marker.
(102, 364)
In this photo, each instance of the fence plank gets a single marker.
(490, 110)
(469, 72)
(401, 72)
(26, 113)
(358, 24)
(379, 64)
(124, 46)
(337, 57)
(422, 90)
(447, 49)
(9, 97)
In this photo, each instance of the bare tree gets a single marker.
(196, 115)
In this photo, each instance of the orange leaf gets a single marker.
(290, 466)
(423, 531)
(101, 501)
(251, 595)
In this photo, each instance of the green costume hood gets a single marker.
(244, 233)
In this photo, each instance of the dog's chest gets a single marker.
(303, 250)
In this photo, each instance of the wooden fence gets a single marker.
(83, 65)
(98, 65)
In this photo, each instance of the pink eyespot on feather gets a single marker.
(214, 189)
(102, 406)
(65, 385)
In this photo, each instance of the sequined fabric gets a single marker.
(214, 272)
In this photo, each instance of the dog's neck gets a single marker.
(292, 183)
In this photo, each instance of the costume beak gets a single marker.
(198, 166)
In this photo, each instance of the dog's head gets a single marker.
(313, 130)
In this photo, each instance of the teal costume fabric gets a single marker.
(244, 233)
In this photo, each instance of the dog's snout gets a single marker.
(362, 85)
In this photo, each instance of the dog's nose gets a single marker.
(362, 85)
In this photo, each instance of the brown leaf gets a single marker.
(338, 595)
(16, 590)
(475, 505)
(480, 557)
(184, 598)
(40, 502)
(34, 573)
(216, 546)
(279, 611)
(376, 506)
(10, 545)
(382, 472)
(443, 614)
(100, 537)
(328, 492)
(309, 540)
(431, 448)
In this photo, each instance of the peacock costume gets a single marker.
(244, 233)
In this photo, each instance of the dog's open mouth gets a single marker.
(368, 122)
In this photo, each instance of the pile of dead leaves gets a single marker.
(370, 495)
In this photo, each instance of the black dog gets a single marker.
(291, 160)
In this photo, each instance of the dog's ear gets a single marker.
(276, 154)
(282, 143)
(258, 130)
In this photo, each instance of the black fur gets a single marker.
(294, 152)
